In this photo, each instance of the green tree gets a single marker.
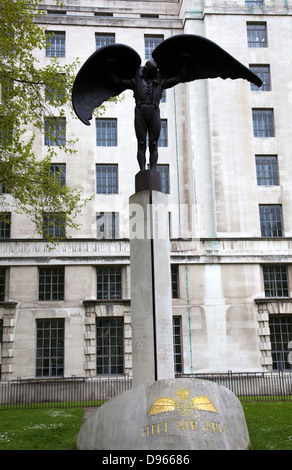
(30, 96)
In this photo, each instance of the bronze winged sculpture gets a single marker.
(115, 68)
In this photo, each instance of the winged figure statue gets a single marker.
(112, 69)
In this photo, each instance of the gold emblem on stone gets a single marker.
(183, 404)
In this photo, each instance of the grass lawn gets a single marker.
(40, 429)
(269, 425)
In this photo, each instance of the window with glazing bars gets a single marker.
(106, 179)
(108, 282)
(55, 44)
(106, 132)
(2, 283)
(257, 35)
(276, 280)
(280, 336)
(55, 131)
(104, 40)
(267, 170)
(263, 122)
(164, 173)
(3, 189)
(150, 43)
(54, 225)
(262, 71)
(107, 225)
(1, 340)
(110, 345)
(174, 281)
(163, 138)
(177, 344)
(271, 220)
(58, 170)
(51, 283)
(254, 2)
(53, 94)
(50, 347)
(6, 131)
(5, 224)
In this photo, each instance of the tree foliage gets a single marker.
(30, 94)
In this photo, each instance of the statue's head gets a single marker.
(151, 68)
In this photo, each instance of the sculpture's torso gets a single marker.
(147, 90)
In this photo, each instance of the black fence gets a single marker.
(253, 386)
(63, 392)
(90, 392)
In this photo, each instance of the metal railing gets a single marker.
(69, 392)
(90, 392)
(252, 386)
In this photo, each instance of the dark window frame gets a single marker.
(50, 345)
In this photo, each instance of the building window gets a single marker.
(263, 122)
(150, 43)
(58, 171)
(1, 340)
(53, 95)
(164, 173)
(110, 345)
(271, 220)
(104, 39)
(257, 35)
(276, 280)
(55, 131)
(106, 132)
(163, 138)
(5, 224)
(55, 44)
(6, 131)
(51, 283)
(54, 225)
(267, 170)
(50, 348)
(3, 189)
(177, 344)
(254, 2)
(108, 282)
(174, 281)
(107, 225)
(280, 336)
(2, 284)
(107, 179)
(262, 71)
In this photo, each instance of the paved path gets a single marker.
(89, 411)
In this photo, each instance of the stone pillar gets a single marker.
(151, 300)
(7, 313)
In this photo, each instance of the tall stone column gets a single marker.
(151, 300)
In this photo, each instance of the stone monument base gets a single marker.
(172, 414)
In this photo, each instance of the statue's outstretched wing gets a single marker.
(161, 405)
(203, 403)
(95, 81)
(199, 58)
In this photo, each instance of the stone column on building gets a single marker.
(7, 349)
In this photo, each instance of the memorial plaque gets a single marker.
(174, 414)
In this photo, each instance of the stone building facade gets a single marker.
(225, 161)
